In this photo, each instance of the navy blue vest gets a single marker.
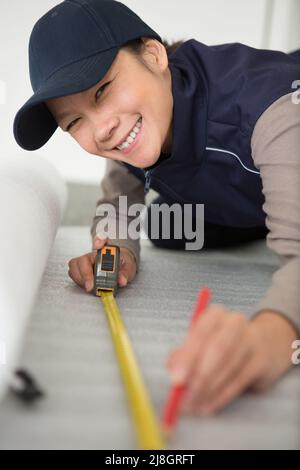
(219, 93)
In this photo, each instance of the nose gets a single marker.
(104, 131)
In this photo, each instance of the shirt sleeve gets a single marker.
(118, 181)
(275, 147)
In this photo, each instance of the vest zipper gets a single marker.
(147, 181)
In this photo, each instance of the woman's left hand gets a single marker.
(225, 354)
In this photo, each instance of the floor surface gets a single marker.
(69, 349)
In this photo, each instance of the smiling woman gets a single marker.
(209, 125)
(133, 97)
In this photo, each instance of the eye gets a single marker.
(96, 96)
(71, 125)
(100, 89)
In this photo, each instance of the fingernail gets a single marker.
(89, 285)
(178, 375)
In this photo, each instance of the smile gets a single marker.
(132, 139)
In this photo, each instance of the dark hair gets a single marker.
(136, 46)
(171, 47)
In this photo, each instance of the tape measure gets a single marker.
(106, 271)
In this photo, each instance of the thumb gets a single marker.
(99, 242)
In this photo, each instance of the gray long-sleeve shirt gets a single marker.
(275, 146)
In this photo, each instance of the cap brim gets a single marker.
(34, 124)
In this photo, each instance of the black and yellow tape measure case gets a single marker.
(106, 269)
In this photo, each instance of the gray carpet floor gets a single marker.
(68, 348)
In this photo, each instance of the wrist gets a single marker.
(275, 335)
(276, 323)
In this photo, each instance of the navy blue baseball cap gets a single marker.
(71, 48)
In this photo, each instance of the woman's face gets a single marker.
(104, 115)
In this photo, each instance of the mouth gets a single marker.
(132, 139)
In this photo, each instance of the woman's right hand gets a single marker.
(81, 269)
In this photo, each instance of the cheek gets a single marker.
(84, 139)
(152, 103)
(158, 102)
(126, 100)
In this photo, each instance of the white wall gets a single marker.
(285, 25)
(258, 23)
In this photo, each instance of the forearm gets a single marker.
(283, 296)
(276, 153)
(118, 181)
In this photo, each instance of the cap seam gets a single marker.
(78, 60)
(89, 11)
(35, 60)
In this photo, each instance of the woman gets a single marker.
(216, 125)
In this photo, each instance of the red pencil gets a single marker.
(170, 413)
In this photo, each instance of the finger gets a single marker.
(238, 383)
(208, 323)
(122, 279)
(74, 272)
(173, 358)
(175, 355)
(122, 274)
(127, 269)
(125, 275)
(86, 272)
(99, 242)
(217, 356)
(225, 377)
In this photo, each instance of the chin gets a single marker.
(145, 163)
(142, 166)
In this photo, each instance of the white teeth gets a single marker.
(131, 136)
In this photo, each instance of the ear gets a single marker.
(155, 54)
